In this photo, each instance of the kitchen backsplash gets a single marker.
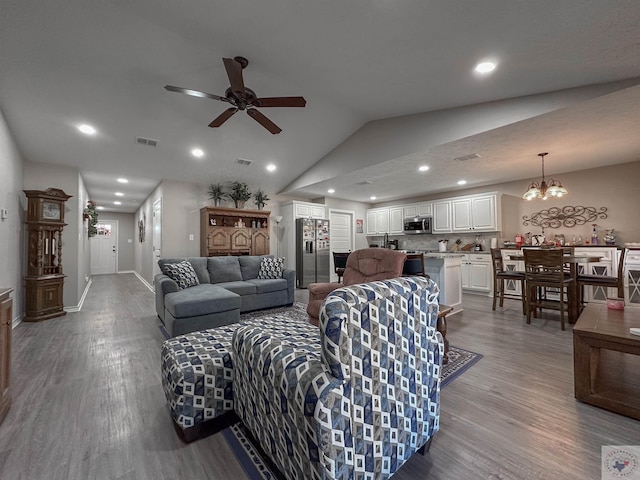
(431, 242)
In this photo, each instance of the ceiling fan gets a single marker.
(242, 98)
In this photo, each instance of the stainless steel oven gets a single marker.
(416, 225)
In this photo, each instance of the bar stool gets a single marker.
(500, 275)
(340, 263)
(544, 269)
(602, 281)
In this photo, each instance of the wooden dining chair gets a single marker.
(605, 281)
(502, 276)
(414, 265)
(545, 269)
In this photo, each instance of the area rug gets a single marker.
(253, 461)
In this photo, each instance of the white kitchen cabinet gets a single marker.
(377, 221)
(445, 272)
(371, 227)
(410, 211)
(477, 213)
(632, 278)
(396, 220)
(424, 209)
(308, 210)
(442, 216)
(477, 272)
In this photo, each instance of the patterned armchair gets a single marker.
(360, 405)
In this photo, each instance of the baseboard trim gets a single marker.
(78, 307)
(141, 278)
(17, 321)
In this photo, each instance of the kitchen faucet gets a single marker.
(385, 242)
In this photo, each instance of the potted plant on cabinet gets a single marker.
(260, 199)
(216, 193)
(90, 213)
(239, 194)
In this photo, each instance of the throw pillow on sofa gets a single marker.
(271, 267)
(182, 273)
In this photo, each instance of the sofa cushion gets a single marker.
(269, 285)
(250, 265)
(201, 300)
(224, 269)
(199, 264)
(271, 267)
(241, 288)
(182, 273)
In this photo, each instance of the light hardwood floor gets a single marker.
(88, 403)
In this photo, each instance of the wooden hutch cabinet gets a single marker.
(44, 280)
(233, 231)
(6, 319)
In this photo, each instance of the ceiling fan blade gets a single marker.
(223, 117)
(280, 102)
(234, 72)
(264, 121)
(195, 93)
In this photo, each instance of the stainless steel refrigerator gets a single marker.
(312, 251)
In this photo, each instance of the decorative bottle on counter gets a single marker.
(594, 235)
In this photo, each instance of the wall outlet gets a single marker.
(129, 240)
(4, 213)
(192, 236)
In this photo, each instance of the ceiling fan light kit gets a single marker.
(543, 189)
(242, 97)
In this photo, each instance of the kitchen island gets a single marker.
(446, 270)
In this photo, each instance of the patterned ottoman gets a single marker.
(197, 369)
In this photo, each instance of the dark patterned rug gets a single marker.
(251, 458)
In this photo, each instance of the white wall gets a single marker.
(12, 238)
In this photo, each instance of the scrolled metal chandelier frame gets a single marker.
(544, 189)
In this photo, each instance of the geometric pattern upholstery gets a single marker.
(197, 368)
(271, 267)
(182, 273)
(361, 406)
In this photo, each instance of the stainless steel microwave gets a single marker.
(417, 225)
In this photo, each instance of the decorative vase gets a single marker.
(260, 206)
(239, 203)
(216, 202)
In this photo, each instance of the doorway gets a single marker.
(104, 248)
(342, 236)
(157, 236)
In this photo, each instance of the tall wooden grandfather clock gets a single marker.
(44, 280)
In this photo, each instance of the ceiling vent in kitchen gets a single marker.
(242, 161)
(364, 182)
(468, 157)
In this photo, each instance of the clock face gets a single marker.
(51, 210)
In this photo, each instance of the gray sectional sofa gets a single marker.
(227, 287)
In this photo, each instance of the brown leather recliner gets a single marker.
(366, 265)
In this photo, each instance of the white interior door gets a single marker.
(342, 234)
(104, 248)
(157, 235)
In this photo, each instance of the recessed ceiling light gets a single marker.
(123, 180)
(197, 152)
(331, 190)
(485, 67)
(271, 167)
(87, 129)
(119, 194)
(117, 203)
(373, 197)
(462, 182)
(423, 168)
(100, 208)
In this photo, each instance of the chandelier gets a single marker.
(543, 189)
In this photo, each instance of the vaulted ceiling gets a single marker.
(359, 64)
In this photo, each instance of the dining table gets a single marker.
(573, 261)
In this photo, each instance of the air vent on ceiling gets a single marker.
(364, 182)
(243, 162)
(468, 157)
(146, 141)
